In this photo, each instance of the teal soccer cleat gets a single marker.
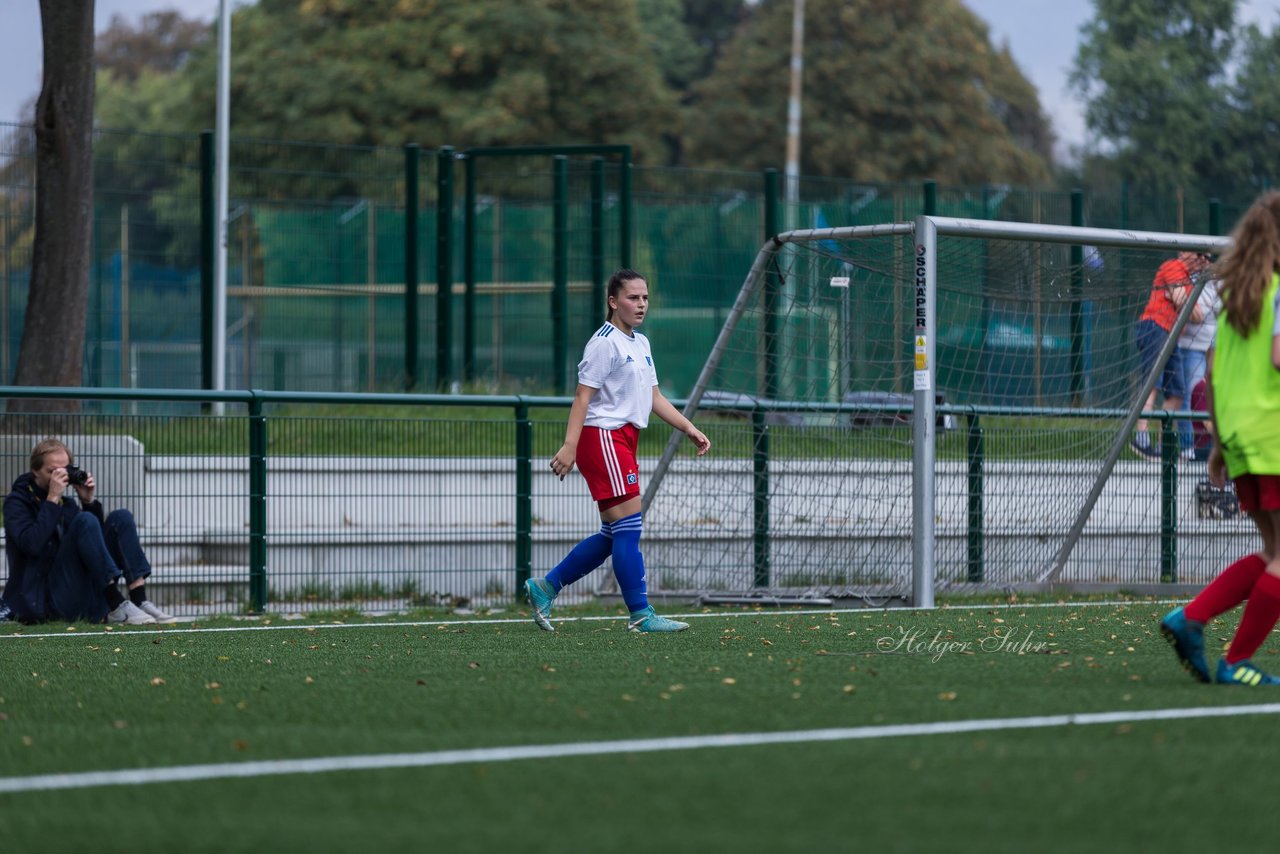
(648, 621)
(541, 596)
(1243, 673)
(1187, 639)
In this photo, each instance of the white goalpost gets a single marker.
(930, 405)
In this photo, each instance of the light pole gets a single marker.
(793, 114)
(222, 144)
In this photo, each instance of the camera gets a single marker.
(77, 476)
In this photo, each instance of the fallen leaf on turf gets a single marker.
(849, 689)
(119, 724)
(947, 695)
(213, 686)
(240, 744)
(729, 680)
(309, 681)
(156, 680)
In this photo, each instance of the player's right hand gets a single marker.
(1217, 467)
(562, 462)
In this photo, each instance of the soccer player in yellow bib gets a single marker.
(1244, 398)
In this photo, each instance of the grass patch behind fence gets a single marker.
(90, 700)
(459, 431)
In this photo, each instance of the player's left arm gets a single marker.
(665, 410)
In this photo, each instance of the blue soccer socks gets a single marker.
(628, 563)
(584, 557)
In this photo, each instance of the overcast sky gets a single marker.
(1041, 34)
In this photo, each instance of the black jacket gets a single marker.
(33, 531)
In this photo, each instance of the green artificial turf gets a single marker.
(89, 700)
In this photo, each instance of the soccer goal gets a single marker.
(943, 403)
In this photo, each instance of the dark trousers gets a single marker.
(91, 557)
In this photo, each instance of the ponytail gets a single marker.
(1247, 267)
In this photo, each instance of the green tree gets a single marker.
(893, 90)
(160, 42)
(1153, 74)
(1249, 161)
(711, 24)
(484, 72)
(670, 41)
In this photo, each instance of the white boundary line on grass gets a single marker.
(463, 621)
(228, 770)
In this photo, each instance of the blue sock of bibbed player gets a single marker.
(628, 563)
(586, 556)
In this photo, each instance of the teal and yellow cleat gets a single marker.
(648, 621)
(1187, 638)
(541, 596)
(1244, 673)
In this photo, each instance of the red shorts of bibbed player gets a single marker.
(1258, 493)
(607, 459)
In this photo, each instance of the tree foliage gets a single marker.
(1249, 156)
(893, 90)
(161, 42)
(1153, 74)
(437, 72)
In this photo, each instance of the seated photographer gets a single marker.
(65, 559)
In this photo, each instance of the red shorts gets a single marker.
(607, 459)
(1258, 493)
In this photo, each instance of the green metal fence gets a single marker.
(295, 501)
(336, 255)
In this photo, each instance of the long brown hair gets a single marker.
(1246, 268)
(616, 282)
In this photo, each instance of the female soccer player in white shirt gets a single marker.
(617, 389)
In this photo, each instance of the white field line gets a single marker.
(463, 621)
(321, 765)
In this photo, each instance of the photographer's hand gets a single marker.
(57, 485)
(87, 490)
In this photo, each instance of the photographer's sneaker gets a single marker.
(159, 615)
(648, 621)
(541, 596)
(129, 614)
(6, 613)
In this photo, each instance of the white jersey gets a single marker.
(1199, 336)
(621, 366)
